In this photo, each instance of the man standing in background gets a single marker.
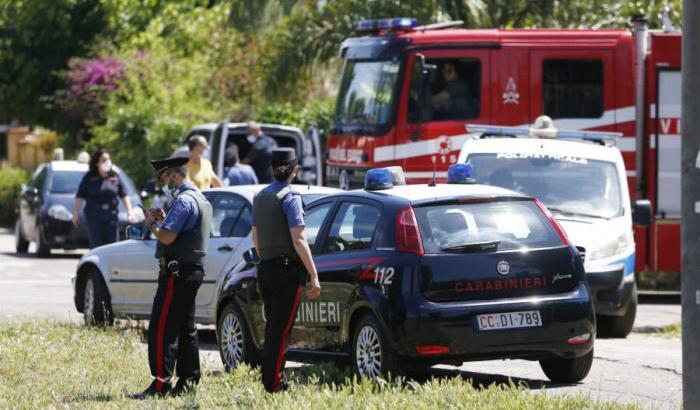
(260, 153)
(237, 173)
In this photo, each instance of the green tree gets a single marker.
(37, 38)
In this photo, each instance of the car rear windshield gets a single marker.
(66, 182)
(474, 227)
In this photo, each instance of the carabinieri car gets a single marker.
(413, 276)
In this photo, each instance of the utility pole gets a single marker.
(690, 203)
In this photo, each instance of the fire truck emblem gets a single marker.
(511, 95)
(444, 145)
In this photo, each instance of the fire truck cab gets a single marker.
(407, 92)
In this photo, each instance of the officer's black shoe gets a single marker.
(156, 389)
(183, 387)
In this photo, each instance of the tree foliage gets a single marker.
(37, 38)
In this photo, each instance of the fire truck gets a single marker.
(407, 92)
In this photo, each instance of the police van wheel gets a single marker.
(568, 370)
(97, 309)
(619, 326)
(372, 356)
(235, 342)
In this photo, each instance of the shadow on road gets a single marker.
(35, 257)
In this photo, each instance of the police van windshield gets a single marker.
(366, 94)
(483, 227)
(567, 185)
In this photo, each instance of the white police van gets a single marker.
(580, 176)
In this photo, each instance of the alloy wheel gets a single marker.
(89, 302)
(232, 340)
(368, 353)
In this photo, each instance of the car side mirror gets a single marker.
(251, 256)
(31, 191)
(641, 212)
(134, 232)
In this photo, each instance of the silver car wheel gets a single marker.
(232, 340)
(89, 303)
(368, 353)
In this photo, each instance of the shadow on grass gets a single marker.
(82, 397)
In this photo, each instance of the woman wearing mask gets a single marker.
(200, 170)
(100, 190)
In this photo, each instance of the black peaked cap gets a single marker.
(162, 165)
(282, 156)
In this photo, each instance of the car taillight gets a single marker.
(555, 223)
(407, 235)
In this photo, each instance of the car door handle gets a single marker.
(224, 248)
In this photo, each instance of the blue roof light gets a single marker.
(393, 24)
(461, 174)
(384, 178)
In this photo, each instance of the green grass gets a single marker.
(49, 365)
(671, 331)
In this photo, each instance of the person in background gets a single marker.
(260, 154)
(100, 190)
(238, 174)
(200, 169)
(451, 102)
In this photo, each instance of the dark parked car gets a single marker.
(45, 205)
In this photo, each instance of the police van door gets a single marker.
(433, 125)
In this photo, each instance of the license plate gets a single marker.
(509, 320)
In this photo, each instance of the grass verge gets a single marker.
(49, 365)
(671, 331)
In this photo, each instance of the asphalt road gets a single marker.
(642, 368)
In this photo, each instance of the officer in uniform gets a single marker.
(285, 260)
(183, 235)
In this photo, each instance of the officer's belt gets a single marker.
(163, 264)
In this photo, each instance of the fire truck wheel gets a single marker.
(619, 326)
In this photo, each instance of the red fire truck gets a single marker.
(407, 92)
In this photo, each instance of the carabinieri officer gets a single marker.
(285, 260)
(182, 237)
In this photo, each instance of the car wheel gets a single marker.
(97, 309)
(568, 370)
(21, 244)
(372, 356)
(619, 326)
(235, 341)
(42, 248)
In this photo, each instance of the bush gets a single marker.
(11, 180)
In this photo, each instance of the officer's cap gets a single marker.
(284, 156)
(162, 165)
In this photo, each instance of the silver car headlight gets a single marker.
(60, 213)
(607, 248)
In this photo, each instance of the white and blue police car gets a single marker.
(417, 275)
(580, 177)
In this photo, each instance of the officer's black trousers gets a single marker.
(172, 335)
(281, 292)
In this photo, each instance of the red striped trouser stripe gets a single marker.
(285, 337)
(162, 320)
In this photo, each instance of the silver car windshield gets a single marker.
(567, 185)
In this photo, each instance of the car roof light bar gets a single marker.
(392, 24)
(599, 137)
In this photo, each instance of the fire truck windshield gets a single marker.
(366, 94)
(569, 185)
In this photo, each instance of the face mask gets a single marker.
(251, 138)
(106, 166)
(167, 192)
(205, 153)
